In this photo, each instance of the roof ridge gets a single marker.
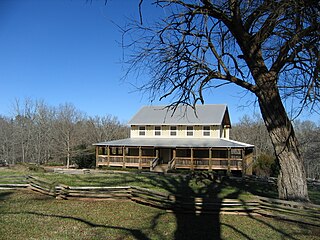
(207, 114)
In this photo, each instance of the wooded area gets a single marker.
(42, 134)
(38, 133)
(252, 130)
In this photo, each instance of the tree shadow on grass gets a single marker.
(193, 220)
(138, 234)
(5, 194)
(263, 189)
(197, 221)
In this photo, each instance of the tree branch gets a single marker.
(283, 57)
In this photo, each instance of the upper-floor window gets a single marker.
(142, 130)
(189, 130)
(157, 130)
(206, 130)
(173, 131)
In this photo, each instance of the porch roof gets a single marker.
(176, 142)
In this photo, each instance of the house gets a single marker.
(186, 138)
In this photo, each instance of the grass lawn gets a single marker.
(174, 184)
(29, 215)
(179, 185)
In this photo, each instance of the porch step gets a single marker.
(162, 168)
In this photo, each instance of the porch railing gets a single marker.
(172, 164)
(177, 162)
(154, 163)
(208, 163)
(125, 161)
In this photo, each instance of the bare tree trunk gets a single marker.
(23, 153)
(292, 184)
(68, 151)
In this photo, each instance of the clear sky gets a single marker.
(69, 51)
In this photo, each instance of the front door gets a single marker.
(165, 155)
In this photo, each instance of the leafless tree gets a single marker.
(308, 134)
(252, 130)
(7, 150)
(39, 133)
(67, 118)
(267, 47)
(106, 128)
(23, 127)
(43, 132)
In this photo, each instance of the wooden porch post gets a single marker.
(192, 165)
(210, 159)
(97, 156)
(243, 163)
(174, 155)
(229, 156)
(140, 157)
(157, 153)
(108, 149)
(248, 161)
(123, 158)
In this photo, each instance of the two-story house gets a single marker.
(186, 138)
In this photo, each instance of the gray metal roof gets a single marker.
(176, 142)
(209, 114)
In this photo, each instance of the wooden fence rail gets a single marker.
(42, 186)
(306, 213)
(13, 182)
(111, 193)
(289, 210)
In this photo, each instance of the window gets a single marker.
(173, 131)
(189, 130)
(157, 130)
(206, 131)
(142, 131)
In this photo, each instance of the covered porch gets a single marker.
(211, 154)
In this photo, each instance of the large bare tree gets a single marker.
(267, 47)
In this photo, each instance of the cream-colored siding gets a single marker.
(134, 131)
(197, 131)
(215, 132)
(181, 131)
(165, 131)
(150, 131)
(225, 133)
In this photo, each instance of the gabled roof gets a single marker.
(209, 114)
(176, 142)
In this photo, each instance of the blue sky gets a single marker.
(68, 51)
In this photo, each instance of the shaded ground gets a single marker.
(29, 215)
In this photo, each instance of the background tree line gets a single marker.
(42, 134)
(38, 133)
(252, 130)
